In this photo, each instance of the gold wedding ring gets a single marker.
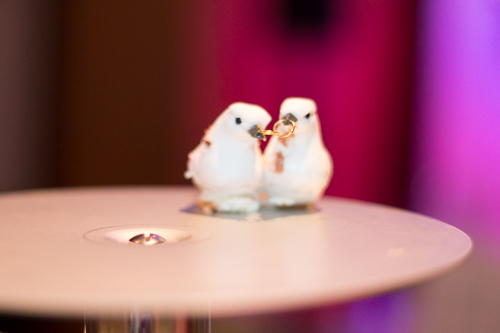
(257, 132)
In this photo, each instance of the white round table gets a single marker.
(66, 252)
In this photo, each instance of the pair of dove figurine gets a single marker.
(234, 176)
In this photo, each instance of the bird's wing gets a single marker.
(194, 158)
(323, 166)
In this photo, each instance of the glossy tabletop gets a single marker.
(66, 251)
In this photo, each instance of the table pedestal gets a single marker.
(147, 323)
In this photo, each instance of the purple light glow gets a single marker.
(458, 137)
(393, 313)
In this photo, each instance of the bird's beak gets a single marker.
(256, 132)
(286, 119)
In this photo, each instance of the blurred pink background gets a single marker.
(408, 94)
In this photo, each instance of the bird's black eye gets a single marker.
(308, 115)
(238, 121)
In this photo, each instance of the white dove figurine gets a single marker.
(297, 169)
(227, 164)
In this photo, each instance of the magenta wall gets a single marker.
(358, 67)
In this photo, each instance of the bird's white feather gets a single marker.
(227, 164)
(297, 169)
